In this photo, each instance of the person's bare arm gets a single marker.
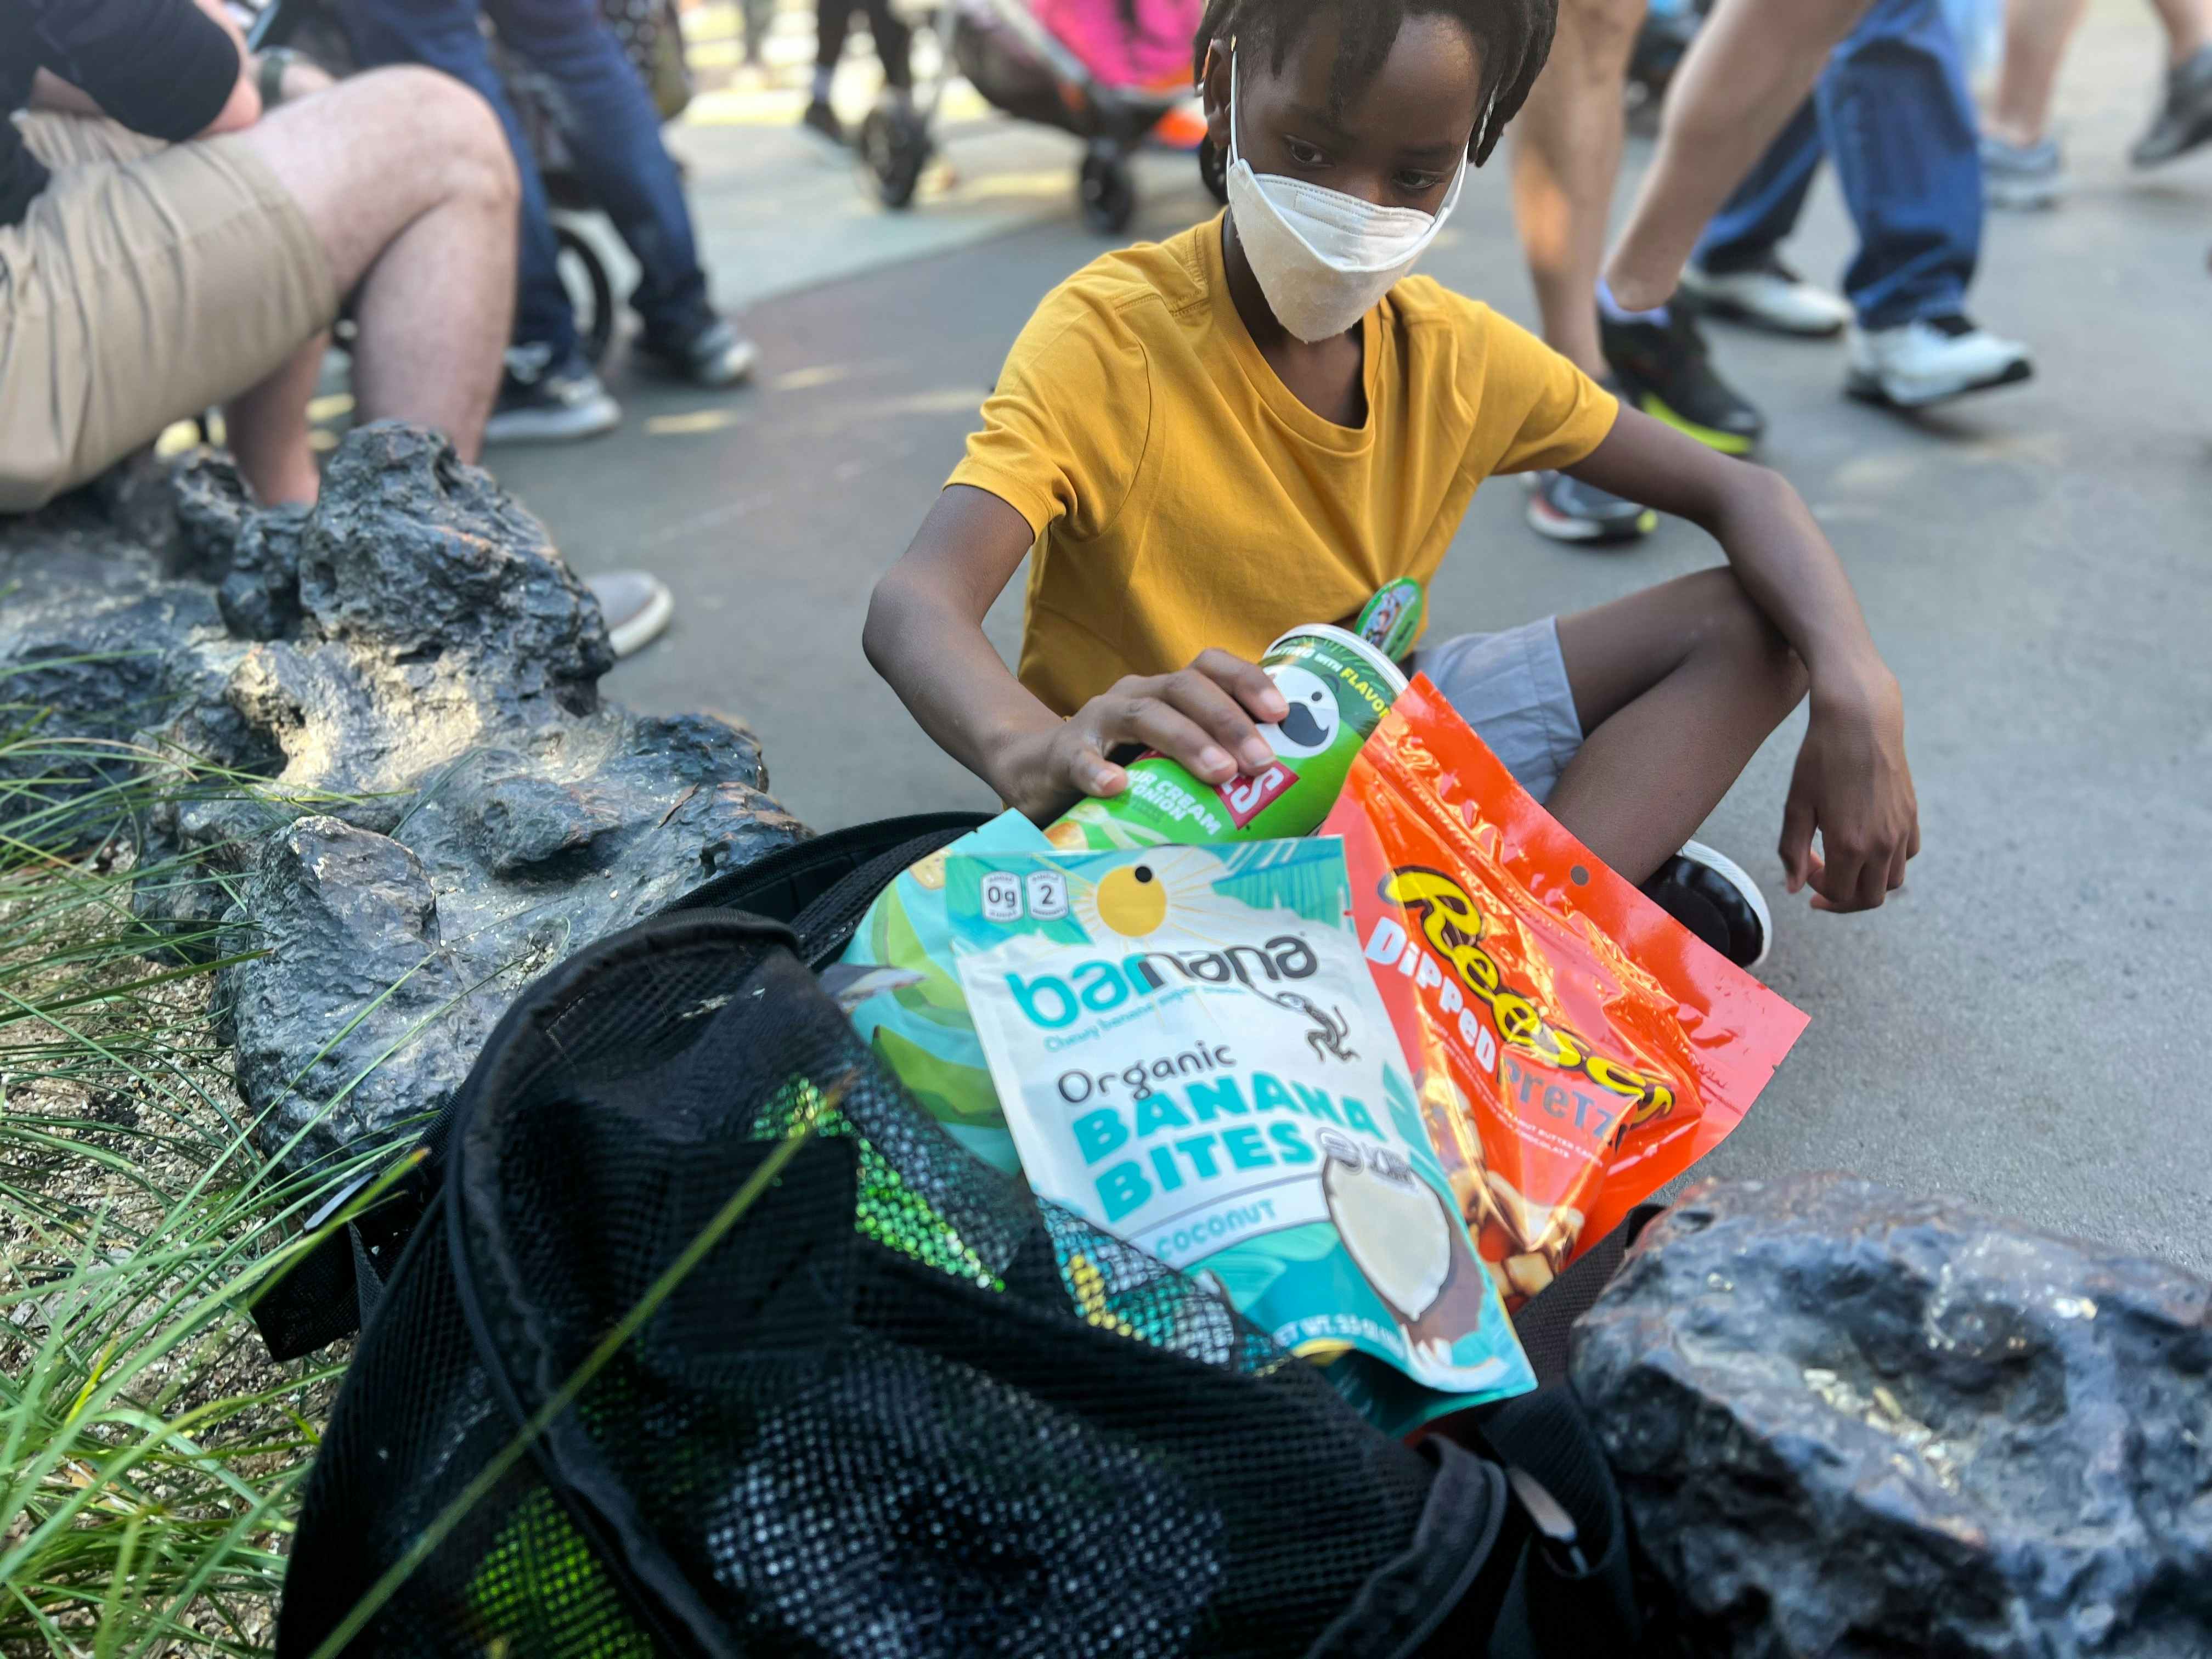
(243, 108)
(925, 636)
(50, 92)
(1852, 783)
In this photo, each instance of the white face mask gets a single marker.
(1323, 257)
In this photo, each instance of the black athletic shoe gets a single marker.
(713, 355)
(1663, 370)
(823, 121)
(1568, 510)
(2185, 118)
(543, 402)
(1715, 898)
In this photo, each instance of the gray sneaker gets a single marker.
(2184, 119)
(541, 401)
(2022, 176)
(636, 605)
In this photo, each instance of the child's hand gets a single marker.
(1852, 785)
(1206, 717)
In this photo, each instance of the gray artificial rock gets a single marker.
(1848, 1423)
(389, 769)
(355, 963)
(259, 593)
(96, 642)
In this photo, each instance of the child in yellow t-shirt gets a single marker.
(1258, 423)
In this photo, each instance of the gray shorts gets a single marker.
(1512, 689)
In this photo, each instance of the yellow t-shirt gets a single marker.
(1183, 497)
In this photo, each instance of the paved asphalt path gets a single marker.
(2029, 1025)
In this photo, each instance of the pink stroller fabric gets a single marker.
(1155, 53)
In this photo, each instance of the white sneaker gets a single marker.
(1929, 359)
(637, 606)
(1770, 296)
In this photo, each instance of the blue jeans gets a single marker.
(613, 130)
(1892, 107)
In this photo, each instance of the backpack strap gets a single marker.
(826, 927)
(786, 881)
(1572, 1592)
(1418, 1593)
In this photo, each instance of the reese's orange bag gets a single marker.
(1575, 1048)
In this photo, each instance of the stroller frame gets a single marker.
(895, 142)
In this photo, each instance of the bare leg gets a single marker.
(406, 179)
(2188, 26)
(1566, 155)
(2037, 33)
(266, 427)
(1751, 66)
(1676, 687)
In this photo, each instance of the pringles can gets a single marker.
(1339, 688)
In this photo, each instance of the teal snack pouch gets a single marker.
(1191, 1055)
(897, 984)
(1339, 687)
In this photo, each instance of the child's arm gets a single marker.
(925, 636)
(1851, 782)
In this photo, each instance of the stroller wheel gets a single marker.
(1213, 170)
(895, 147)
(590, 291)
(1109, 195)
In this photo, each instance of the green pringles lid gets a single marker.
(1391, 621)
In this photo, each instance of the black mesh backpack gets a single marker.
(706, 1340)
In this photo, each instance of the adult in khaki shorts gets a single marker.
(164, 245)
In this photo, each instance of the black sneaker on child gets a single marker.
(1715, 898)
(713, 353)
(543, 402)
(1568, 510)
(822, 121)
(1663, 370)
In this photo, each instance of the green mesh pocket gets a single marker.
(541, 1585)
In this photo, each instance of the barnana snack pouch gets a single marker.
(897, 984)
(1575, 1048)
(1191, 1056)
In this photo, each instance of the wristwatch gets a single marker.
(274, 62)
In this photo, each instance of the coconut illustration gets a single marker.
(1407, 1242)
(1396, 1229)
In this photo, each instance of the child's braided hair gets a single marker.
(1516, 37)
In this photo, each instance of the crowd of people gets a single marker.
(183, 220)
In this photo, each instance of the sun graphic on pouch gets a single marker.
(1132, 900)
(1140, 895)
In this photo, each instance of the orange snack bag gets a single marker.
(1575, 1047)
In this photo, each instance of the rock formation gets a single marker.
(449, 808)
(1848, 1423)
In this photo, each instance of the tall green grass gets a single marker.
(150, 1455)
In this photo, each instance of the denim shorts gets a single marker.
(1512, 689)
